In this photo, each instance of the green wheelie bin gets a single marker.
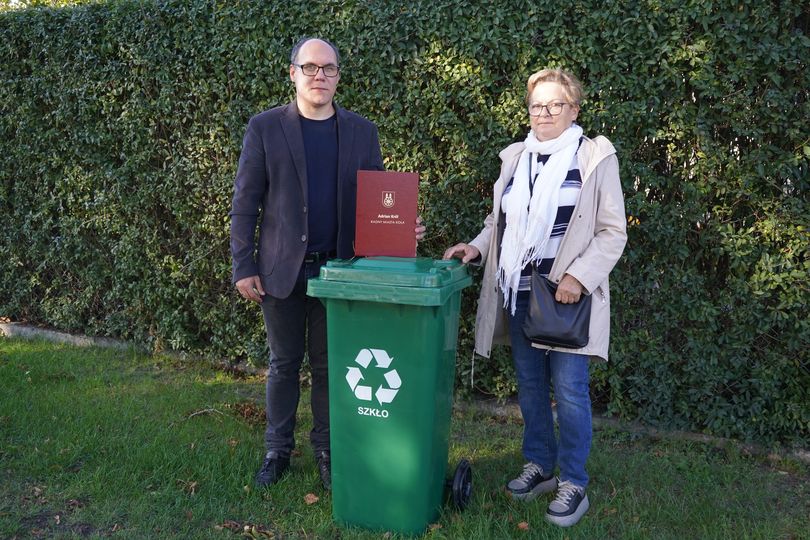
(392, 325)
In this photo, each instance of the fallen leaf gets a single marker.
(58, 519)
(257, 532)
(189, 486)
(434, 526)
(189, 515)
(230, 525)
(523, 526)
(311, 498)
(116, 528)
(37, 493)
(250, 411)
(233, 442)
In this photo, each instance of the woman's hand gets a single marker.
(569, 290)
(462, 251)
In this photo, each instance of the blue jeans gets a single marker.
(294, 324)
(537, 371)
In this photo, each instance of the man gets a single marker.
(297, 181)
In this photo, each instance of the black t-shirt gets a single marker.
(321, 148)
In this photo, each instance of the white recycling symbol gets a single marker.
(354, 376)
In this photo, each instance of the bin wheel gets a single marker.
(462, 485)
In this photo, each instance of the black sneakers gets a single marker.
(324, 468)
(531, 483)
(568, 506)
(276, 465)
(273, 468)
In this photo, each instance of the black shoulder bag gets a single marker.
(549, 322)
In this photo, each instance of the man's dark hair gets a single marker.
(297, 47)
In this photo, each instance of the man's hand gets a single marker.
(420, 229)
(251, 288)
(462, 251)
(569, 290)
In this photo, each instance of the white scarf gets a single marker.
(529, 221)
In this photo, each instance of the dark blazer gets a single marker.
(271, 185)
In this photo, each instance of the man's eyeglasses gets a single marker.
(554, 109)
(310, 70)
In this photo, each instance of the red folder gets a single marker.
(386, 213)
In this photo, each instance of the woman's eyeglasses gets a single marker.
(554, 109)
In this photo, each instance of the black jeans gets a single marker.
(292, 324)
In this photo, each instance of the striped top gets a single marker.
(569, 193)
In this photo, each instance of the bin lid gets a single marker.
(399, 280)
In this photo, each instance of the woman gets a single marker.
(558, 209)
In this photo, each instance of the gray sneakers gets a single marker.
(531, 483)
(568, 506)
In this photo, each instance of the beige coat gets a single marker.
(590, 248)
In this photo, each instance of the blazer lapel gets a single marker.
(345, 142)
(291, 126)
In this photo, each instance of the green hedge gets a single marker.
(122, 123)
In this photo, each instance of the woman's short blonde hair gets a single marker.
(571, 86)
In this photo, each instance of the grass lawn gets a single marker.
(105, 443)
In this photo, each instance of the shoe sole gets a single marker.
(543, 487)
(572, 519)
